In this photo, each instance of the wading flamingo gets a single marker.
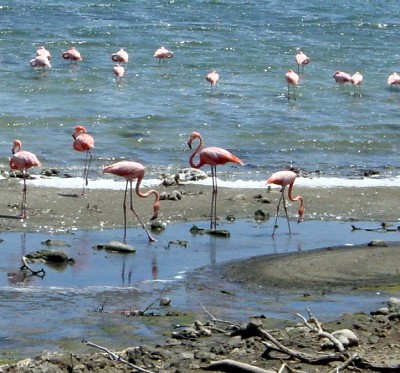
(22, 161)
(393, 79)
(130, 171)
(162, 53)
(212, 156)
(302, 59)
(119, 71)
(121, 56)
(72, 54)
(342, 77)
(83, 142)
(42, 51)
(213, 78)
(357, 79)
(292, 80)
(40, 61)
(285, 178)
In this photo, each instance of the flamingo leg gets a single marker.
(286, 212)
(23, 203)
(277, 212)
(151, 239)
(124, 207)
(213, 214)
(281, 199)
(88, 161)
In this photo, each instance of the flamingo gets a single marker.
(119, 70)
(121, 56)
(285, 178)
(42, 51)
(22, 161)
(40, 61)
(133, 170)
(72, 54)
(292, 79)
(162, 53)
(302, 59)
(212, 156)
(83, 142)
(342, 77)
(213, 78)
(357, 79)
(394, 79)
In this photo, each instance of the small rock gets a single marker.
(116, 246)
(230, 218)
(381, 311)
(261, 215)
(50, 256)
(157, 226)
(190, 174)
(175, 196)
(165, 301)
(51, 242)
(378, 243)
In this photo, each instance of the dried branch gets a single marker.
(115, 357)
(228, 365)
(25, 265)
(218, 320)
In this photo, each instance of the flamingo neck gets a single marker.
(198, 165)
(297, 198)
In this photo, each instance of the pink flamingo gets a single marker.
(83, 142)
(302, 59)
(393, 79)
(72, 54)
(130, 171)
(118, 70)
(212, 156)
(42, 51)
(162, 53)
(213, 78)
(40, 61)
(121, 56)
(292, 80)
(342, 77)
(22, 161)
(285, 178)
(357, 79)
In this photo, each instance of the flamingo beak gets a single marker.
(189, 144)
(156, 209)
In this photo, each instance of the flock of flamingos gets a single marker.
(213, 156)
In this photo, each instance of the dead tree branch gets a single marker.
(25, 265)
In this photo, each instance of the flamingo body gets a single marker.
(40, 61)
(72, 54)
(342, 77)
(394, 79)
(292, 79)
(212, 156)
(284, 179)
(162, 53)
(302, 59)
(212, 78)
(130, 171)
(121, 56)
(119, 71)
(83, 142)
(42, 51)
(22, 160)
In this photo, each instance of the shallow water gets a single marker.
(43, 313)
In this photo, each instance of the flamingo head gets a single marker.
(16, 146)
(193, 136)
(156, 208)
(301, 213)
(78, 130)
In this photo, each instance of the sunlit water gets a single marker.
(54, 307)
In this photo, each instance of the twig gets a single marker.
(115, 357)
(228, 365)
(141, 313)
(218, 320)
(25, 265)
(345, 364)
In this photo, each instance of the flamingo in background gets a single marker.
(22, 161)
(133, 170)
(83, 142)
(357, 79)
(213, 78)
(72, 54)
(162, 53)
(121, 56)
(302, 59)
(292, 79)
(393, 79)
(40, 61)
(119, 71)
(285, 178)
(212, 156)
(42, 51)
(342, 77)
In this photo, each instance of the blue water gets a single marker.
(149, 115)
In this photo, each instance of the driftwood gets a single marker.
(115, 357)
(228, 365)
(25, 265)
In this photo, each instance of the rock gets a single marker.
(51, 242)
(345, 336)
(165, 301)
(157, 226)
(116, 246)
(190, 174)
(261, 215)
(50, 256)
(381, 311)
(231, 218)
(378, 243)
(175, 196)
